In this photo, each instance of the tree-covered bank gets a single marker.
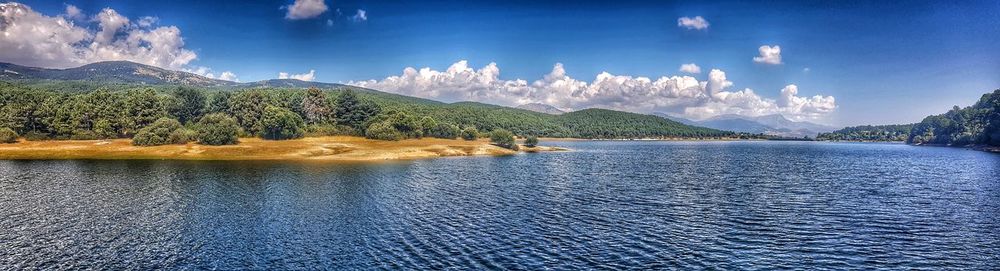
(171, 114)
(870, 133)
(978, 124)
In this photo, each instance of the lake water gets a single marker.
(606, 205)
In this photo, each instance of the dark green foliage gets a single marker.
(248, 107)
(217, 129)
(36, 136)
(404, 125)
(898, 132)
(352, 112)
(142, 108)
(977, 124)
(159, 133)
(103, 129)
(182, 136)
(219, 102)
(383, 130)
(316, 108)
(188, 104)
(608, 124)
(444, 130)
(7, 135)
(503, 138)
(470, 133)
(532, 141)
(329, 130)
(279, 124)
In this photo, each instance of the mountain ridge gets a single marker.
(774, 124)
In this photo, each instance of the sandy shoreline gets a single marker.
(330, 148)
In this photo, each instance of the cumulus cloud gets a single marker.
(360, 16)
(673, 94)
(74, 13)
(305, 9)
(34, 39)
(229, 76)
(304, 77)
(768, 55)
(690, 68)
(696, 23)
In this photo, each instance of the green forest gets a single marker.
(874, 133)
(978, 124)
(161, 114)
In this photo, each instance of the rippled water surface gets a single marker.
(607, 205)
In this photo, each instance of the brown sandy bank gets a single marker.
(331, 148)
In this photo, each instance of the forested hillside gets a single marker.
(976, 124)
(53, 109)
(885, 133)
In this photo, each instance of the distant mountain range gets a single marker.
(125, 72)
(541, 108)
(775, 124)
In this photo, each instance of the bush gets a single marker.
(531, 142)
(503, 138)
(383, 130)
(182, 136)
(280, 124)
(218, 129)
(329, 130)
(157, 134)
(36, 136)
(444, 130)
(83, 135)
(7, 135)
(470, 133)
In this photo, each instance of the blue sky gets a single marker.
(883, 62)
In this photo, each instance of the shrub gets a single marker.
(218, 129)
(7, 135)
(280, 124)
(36, 136)
(329, 130)
(383, 130)
(156, 134)
(444, 130)
(81, 134)
(531, 142)
(470, 133)
(503, 138)
(182, 136)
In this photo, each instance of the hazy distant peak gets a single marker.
(541, 108)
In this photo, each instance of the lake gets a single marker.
(605, 205)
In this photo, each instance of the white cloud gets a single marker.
(229, 76)
(769, 55)
(361, 16)
(34, 39)
(304, 77)
(74, 13)
(675, 94)
(305, 9)
(697, 23)
(148, 21)
(690, 68)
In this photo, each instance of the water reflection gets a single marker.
(606, 205)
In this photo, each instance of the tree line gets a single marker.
(183, 115)
(75, 110)
(978, 124)
(877, 133)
